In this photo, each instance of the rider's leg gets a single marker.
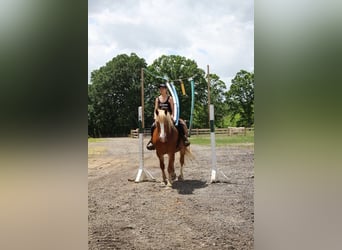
(182, 134)
(150, 145)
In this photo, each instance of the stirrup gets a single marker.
(150, 146)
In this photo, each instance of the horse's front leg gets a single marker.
(162, 167)
(171, 169)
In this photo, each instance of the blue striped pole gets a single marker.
(174, 95)
(213, 146)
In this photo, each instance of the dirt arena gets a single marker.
(193, 214)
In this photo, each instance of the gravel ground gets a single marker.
(192, 214)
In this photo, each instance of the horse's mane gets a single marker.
(165, 118)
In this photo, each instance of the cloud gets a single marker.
(218, 33)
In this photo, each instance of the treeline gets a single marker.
(115, 94)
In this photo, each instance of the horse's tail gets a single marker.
(188, 153)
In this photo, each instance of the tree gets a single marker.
(240, 98)
(114, 95)
(176, 67)
(217, 97)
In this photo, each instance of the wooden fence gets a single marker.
(202, 131)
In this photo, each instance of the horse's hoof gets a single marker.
(180, 178)
(173, 177)
(169, 184)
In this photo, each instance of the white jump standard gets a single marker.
(213, 146)
(141, 150)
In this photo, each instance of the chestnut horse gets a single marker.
(165, 138)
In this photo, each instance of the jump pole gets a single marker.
(213, 146)
(141, 149)
(175, 98)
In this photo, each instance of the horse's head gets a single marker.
(164, 124)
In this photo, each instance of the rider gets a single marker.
(164, 101)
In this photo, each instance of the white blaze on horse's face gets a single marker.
(162, 135)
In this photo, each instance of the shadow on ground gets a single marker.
(188, 186)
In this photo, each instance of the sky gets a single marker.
(218, 33)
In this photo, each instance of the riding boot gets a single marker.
(183, 135)
(150, 145)
(186, 141)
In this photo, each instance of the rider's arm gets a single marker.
(172, 106)
(155, 108)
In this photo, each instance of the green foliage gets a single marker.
(114, 96)
(240, 99)
(217, 98)
(231, 121)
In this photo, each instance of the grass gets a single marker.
(95, 139)
(97, 151)
(222, 140)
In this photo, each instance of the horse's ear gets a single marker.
(157, 112)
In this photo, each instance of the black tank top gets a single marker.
(165, 105)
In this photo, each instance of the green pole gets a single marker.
(192, 105)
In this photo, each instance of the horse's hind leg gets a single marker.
(181, 160)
